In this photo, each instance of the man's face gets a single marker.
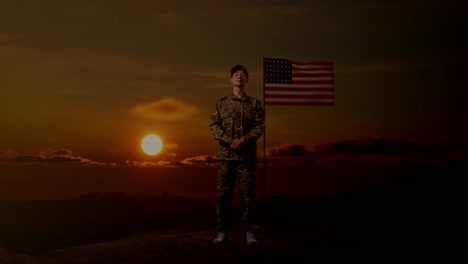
(239, 78)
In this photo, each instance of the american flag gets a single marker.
(289, 82)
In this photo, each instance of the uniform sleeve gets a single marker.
(216, 127)
(259, 128)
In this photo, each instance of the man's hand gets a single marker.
(236, 143)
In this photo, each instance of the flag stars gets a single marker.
(278, 71)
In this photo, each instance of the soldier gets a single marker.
(237, 122)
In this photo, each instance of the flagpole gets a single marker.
(264, 135)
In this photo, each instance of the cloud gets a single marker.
(167, 108)
(384, 146)
(200, 160)
(6, 154)
(197, 161)
(152, 164)
(383, 149)
(60, 156)
(290, 150)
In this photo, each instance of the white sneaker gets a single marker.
(250, 237)
(220, 238)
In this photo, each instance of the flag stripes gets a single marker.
(288, 82)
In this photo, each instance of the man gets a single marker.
(237, 122)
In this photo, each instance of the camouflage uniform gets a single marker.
(241, 118)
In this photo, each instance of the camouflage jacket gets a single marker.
(241, 118)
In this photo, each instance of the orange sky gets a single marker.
(89, 79)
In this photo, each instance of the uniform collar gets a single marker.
(233, 97)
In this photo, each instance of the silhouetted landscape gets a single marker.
(418, 215)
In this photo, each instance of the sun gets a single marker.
(151, 144)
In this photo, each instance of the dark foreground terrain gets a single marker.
(422, 218)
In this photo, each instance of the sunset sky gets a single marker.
(88, 79)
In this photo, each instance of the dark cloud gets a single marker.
(290, 150)
(6, 154)
(61, 156)
(384, 146)
(372, 146)
(65, 159)
(27, 159)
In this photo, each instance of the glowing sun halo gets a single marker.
(151, 144)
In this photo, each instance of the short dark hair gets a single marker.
(240, 67)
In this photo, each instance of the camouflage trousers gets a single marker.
(228, 172)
